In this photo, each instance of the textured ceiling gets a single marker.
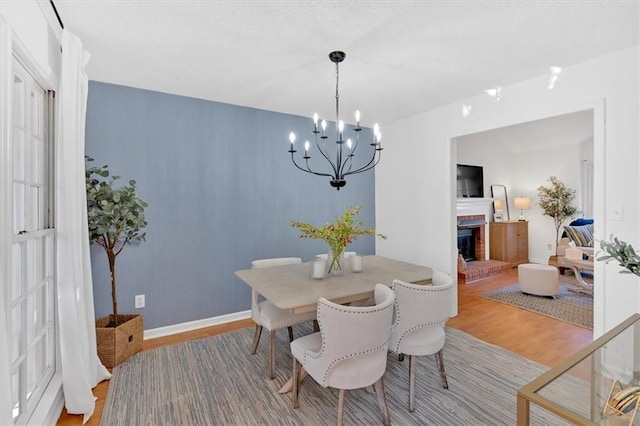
(403, 57)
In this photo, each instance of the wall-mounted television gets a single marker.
(470, 181)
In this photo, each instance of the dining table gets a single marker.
(291, 287)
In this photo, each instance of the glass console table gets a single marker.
(580, 390)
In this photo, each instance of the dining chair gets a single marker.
(266, 315)
(349, 351)
(421, 312)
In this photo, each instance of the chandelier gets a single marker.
(341, 162)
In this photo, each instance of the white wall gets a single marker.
(35, 28)
(415, 183)
(522, 172)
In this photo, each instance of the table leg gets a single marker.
(584, 287)
(288, 387)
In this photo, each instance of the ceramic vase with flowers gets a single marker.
(338, 235)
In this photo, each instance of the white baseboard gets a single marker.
(194, 325)
(540, 261)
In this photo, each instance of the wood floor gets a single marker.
(536, 337)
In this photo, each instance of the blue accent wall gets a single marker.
(221, 190)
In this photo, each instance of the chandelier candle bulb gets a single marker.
(324, 128)
(315, 122)
(340, 129)
(292, 139)
(357, 119)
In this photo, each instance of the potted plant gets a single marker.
(624, 253)
(116, 219)
(337, 235)
(555, 201)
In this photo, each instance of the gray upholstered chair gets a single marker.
(349, 351)
(420, 314)
(266, 315)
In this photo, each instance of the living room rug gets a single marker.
(216, 381)
(574, 308)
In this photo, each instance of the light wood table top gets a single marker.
(291, 286)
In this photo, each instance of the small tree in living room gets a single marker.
(115, 217)
(555, 201)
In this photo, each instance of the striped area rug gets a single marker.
(215, 381)
(574, 308)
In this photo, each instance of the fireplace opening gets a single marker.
(471, 243)
(467, 244)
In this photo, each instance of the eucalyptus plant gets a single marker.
(115, 217)
(555, 201)
(624, 253)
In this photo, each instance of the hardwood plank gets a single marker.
(536, 337)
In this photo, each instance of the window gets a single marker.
(31, 301)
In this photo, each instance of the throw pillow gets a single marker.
(582, 235)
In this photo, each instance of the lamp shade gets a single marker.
(497, 204)
(522, 203)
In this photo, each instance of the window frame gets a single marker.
(51, 399)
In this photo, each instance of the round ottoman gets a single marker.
(539, 280)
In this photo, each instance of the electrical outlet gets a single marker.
(549, 246)
(139, 301)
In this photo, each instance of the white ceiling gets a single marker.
(403, 57)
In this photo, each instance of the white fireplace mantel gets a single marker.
(473, 206)
(477, 206)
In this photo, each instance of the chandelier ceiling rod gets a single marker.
(343, 166)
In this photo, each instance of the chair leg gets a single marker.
(290, 329)
(400, 357)
(440, 363)
(340, 407)
(256, 339)
(382, 401)
(412, 383)
(296, 383)
(272, 354)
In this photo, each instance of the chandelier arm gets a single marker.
(352, 152)
(324, 154)
(308, 170)
(367, 166)
(349, 161)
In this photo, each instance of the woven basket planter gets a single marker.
(116, 344)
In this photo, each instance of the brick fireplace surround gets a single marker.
(476, 211)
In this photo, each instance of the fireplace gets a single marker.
(471, 237)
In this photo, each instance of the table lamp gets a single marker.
(522, 203)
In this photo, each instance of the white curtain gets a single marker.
(81, 367)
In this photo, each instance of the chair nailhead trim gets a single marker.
(344, 357)
(432, 289)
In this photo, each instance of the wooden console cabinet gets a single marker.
(509, 241)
